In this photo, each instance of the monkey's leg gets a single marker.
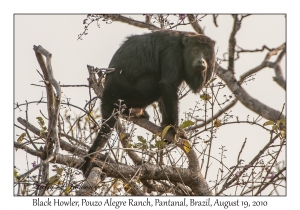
(168, 105)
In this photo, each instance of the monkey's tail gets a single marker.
(97, 146)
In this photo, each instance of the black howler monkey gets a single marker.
(151, 67)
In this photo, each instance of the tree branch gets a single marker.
(250, 102)
(195, 24)
(232, 42)
(228, 183)
(74, 149)
(133, 22)
(53, 107)
(222, 111)
(266, 63)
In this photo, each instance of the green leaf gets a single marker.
(144, 146)
(53, 180)
(41, 121)
(122, 136)
(16, 174)
(160, 144)
(270, 122)
(21, 137)
(282, 121)
(217, 123)
(43, 130)
(141, 139)
(154, 105)
(165, 131)
(283, 134)
(186, 124)
(186, 146)
(68, 190)
(275, 127)
(205, 97)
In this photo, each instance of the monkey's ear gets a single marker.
(185, 40)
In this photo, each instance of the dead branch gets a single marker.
(250, 102)
(229, 182)
(232, 42)
(266, 63)
(73, 149)
(195, 24)
(133, 22)
(218, 114)
(53, 106)
(94, 179)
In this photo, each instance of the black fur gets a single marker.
(150, 68)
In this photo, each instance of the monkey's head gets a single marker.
(199, 60)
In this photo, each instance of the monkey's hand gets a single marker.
(181, 133)
(175, 133)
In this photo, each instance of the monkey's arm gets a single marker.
(168, 103)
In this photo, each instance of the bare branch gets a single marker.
(272, 51)
(232, 42)
(250, 102)
(54, 122)
(74, 149)
(220, 112)
(195, 24)
(215, 20)
(31, 151)
(266, 63)
(94, 179)
(228, 183)
(133, 22)
(53, 107)
(271, 181)
(147, 171)
(278, 71)
(252, 71)
(49, 89)
(132, 154)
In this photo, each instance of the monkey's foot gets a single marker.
(139, 112)
(175, 133)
